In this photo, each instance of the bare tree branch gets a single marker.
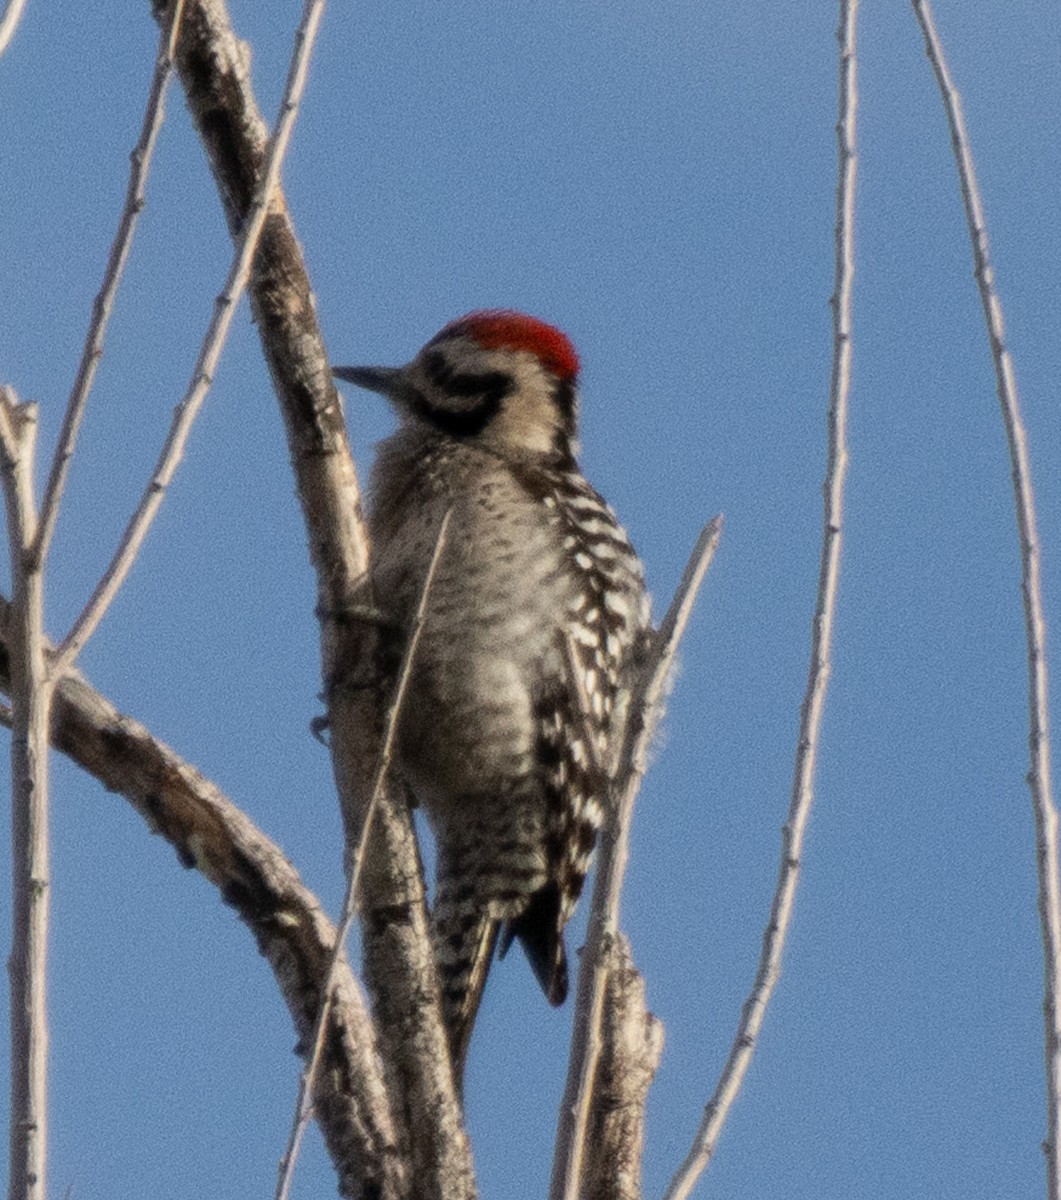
(586, 1039)
(769, 968)
(1046, 823)
(9, 22)
(140, 165)
(631, 1045)
(210, 351)
(251, 873)
(398, 959)
(31, 693)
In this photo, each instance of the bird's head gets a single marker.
(496, 376)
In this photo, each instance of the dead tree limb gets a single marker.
(399, 964)
(631, 1046)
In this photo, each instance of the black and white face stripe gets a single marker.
(473, 398)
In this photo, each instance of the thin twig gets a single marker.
(1046, 821)
(769, 967)
(139, 166)
(642, 718)
(9, 22)
(31, 695)
(210, 353)
(303, 1104)
(387, 749)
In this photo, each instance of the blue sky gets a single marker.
(657, 180)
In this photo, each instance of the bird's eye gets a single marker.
(488, 385)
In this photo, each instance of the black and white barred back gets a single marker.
(536, 616)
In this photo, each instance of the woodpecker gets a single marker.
(536, 619)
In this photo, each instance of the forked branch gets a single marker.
(251, 873)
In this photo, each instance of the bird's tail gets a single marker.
(540, 929)
(475, 892)
(465, 935)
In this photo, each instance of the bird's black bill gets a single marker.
(375, 379)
